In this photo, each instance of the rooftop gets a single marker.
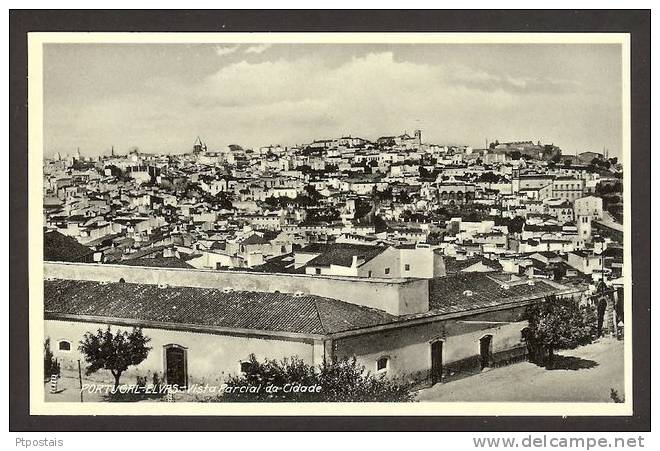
(342, 254)
(59, 247)
(277, 312)
(469, 291)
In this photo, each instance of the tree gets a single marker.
(558, 323)
(339, 380)
(558, 272)
(404, 197)
(51, 366)
(424, 173)
(114, 352)
(222, 200)
(516, 224)
(272, 201)
(488, 177)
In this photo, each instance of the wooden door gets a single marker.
(485, 349)
(176, 366)
(436, 362)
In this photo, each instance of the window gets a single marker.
(318, 271)
(382, 364)
(369, 274)
(407, 267)
(64, 345)
(387, 270)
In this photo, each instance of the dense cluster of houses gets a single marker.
(417, 258)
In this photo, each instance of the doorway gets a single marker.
(176, 365)
(436, 361)
(485, 350)
(602, 308)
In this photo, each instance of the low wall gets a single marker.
(395, 296)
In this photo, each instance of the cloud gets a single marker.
(294, 100)
(223, 50)
(259, 48)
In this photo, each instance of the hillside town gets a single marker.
(418, 258)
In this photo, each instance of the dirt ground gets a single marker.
(585, 374)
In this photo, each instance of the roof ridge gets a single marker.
(318, 313)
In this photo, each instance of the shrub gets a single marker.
(614, 396)
(339, 380)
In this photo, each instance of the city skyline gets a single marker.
(146, 96)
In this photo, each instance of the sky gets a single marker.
(160, 97)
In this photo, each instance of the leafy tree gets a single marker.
(311, 191)
(404, 197)
(114, 352)
(272, 201)
(488, 177)
(340, 380)
(435, 238)
(558, 323)
(51, 366)
(222, 200)
(516, 224)
(558, 272)
(424, 173)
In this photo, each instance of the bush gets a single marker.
(338, 381)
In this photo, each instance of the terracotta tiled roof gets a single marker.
(282, 312)
(469, 291)
(254, 239)
(62, 248)
(453, 265)
(156, 262)
(342, 254)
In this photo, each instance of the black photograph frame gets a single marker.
(635, 22)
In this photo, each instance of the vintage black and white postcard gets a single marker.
(330, 224)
